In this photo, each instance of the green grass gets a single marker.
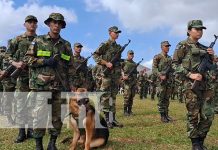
(144, 131)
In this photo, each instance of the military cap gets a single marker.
(164, 43)
(57, 17)
(78, 45)
(114, 29)
(130, 52)
(30, 17)
(196, 24)
(2, 48)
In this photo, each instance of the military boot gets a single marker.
(52, 143)
(196, 144)
(125, 110)
(201, 141)
(109, 124)
(130, 110)
(163, 118)
(21, 136)
(168, 117)
(115, 123)
(29, 133)
(39, 145)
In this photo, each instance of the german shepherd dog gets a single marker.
(89, 134)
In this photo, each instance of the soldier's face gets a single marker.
(55, 26)
(78, 49)
(114, 35)
(195, 33)
(31, 25)
(166, 48)
(130, 56)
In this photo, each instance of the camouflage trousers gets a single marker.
(25, 105)
(129, 94)
(47, 113)
(216, 98)
(200, 112)
(143, 91)
(8, 97)
(153, 91)
(163, 97)
(109, 86)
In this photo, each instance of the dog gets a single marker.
(89, 134)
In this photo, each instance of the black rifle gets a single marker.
(83, 63)
(167, 70)
(7, 72)
(118, 53)
(132, 71)
(205, 65)
(16, 73)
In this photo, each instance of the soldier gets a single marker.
(8, 87)
(186, 59)
(160, 63)
(141, 84)
(130, 81)
(80, 79)
(96, 73)
(215, 82)
(2, 53)
(17, 50)
(50, 58)
(153, 84)
(111, 79)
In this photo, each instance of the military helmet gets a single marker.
(57, 17)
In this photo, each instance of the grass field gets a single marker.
(144, 131)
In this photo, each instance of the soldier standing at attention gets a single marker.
(110, 79)
(17, 50)
(50, 58)
(186, 59)
(80, 79)
(160, 63)
(141, 84)
(130, 81)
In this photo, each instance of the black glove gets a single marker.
(50, 62)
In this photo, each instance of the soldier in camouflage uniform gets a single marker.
(215, 84)
(111, 79)
(2, 53)
(160, 62)
(17, 50)
(8, 88)
(130, 81)
(153, 85)
(50, 58)
(142, 85)
(80, 79)
(186, 59)
(96, 73)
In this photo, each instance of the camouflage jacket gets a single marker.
(43, 77)
(127, 66)
(106, 51)
(160, 62)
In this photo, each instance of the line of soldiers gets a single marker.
(34, 65)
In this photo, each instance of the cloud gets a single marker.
(146, 15)
(12, 17)
(148, 63)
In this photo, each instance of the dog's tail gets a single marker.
(66, 140)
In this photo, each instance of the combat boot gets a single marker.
(196, 144)
(125, 110)
(163, 118)
(39, 145)
(21, 136)
(115, 123)
(168, 117)
(109, 124)
(130, 111)
(52, 143)
(201, 141)
(29, 133)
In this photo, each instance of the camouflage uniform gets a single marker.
(153, 85)
(129, 84)
(187, 57)
(2, 50)
(44, 77)
(214, 82)
(143, 85)
(110, 79)
(96, 73)
(8, 88)
(160, 62)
